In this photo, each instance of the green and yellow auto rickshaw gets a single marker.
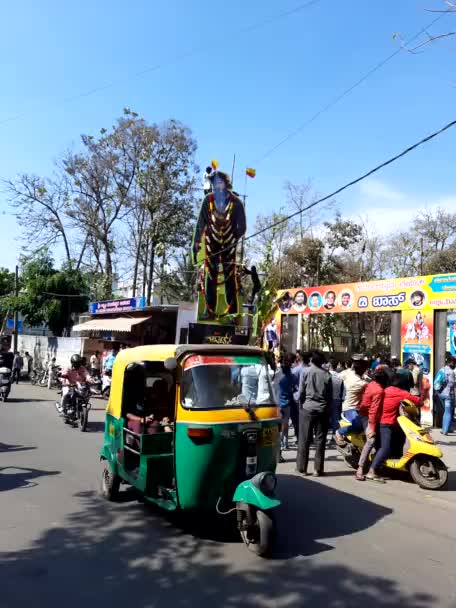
(196, 428)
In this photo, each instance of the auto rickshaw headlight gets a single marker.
(266, 482)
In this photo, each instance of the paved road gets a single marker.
(343, 544)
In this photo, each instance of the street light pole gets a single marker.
(16, 316)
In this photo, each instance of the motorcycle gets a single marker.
(56, 381)
(414, 451)
(5, 383)
(102, 386)
(37, 375)
(76, 407)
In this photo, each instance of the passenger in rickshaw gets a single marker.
(150, 410)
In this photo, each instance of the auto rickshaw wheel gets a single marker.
(110, 483)
(259, 537)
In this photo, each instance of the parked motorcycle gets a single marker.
(5, 383)
(102, 386)
(414, 451)
(56, 381)
(77, 406)
(36, 375)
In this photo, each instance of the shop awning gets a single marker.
(119, 325)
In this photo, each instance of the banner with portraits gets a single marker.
(412, 293)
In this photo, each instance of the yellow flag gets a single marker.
(214, 164)
(250, 172)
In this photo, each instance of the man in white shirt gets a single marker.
(95, 365)
(354, 385)
(207, 185)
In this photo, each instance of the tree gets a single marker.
(7, 280)
(403, 250)
(449, 7)
(300, 265)
(48, 295)
(41, 209)
(164, 205)
(101, 177)
(179, 283)
(298, 197)
(436, 228)
(442, 261)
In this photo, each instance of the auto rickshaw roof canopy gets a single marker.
(160, 353)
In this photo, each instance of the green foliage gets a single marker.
(6, 291)
(48, 295)
(179, 284)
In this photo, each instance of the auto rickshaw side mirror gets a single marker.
(170, 364)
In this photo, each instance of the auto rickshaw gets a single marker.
(196, 428)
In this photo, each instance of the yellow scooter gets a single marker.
(417, 455)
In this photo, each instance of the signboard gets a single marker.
(204, 333)
(116, 306)
(10, 325)
(433, 291)
(417, 335)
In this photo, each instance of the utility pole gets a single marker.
(16, 319)
(421, 255)
(232, 169)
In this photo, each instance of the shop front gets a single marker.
(126, 323)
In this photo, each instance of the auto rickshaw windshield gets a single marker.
(211, 381)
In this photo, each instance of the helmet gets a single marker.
(410, 410)
(76, 360)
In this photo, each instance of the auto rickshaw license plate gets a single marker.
(254, 426)
(269, 436)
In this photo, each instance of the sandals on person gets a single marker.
(339, 439)
(360, 476)
(373, 477)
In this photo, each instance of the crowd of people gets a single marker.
(314, 394)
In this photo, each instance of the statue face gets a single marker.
(220, 192)
(219, 184)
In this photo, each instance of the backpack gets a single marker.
(440, 380)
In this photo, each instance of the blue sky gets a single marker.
(243, 93)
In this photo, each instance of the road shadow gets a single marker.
(311, 511)
(21, 477)
(451, 486)
(95, 426)
(99, 406)
(9, 447)
(121, 558)
(25, 400)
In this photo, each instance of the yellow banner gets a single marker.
(432, 291)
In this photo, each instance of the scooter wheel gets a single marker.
(429, 473)
(259, 538)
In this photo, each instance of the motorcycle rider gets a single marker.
(6, 361)
(6, 354)
(76, 374)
